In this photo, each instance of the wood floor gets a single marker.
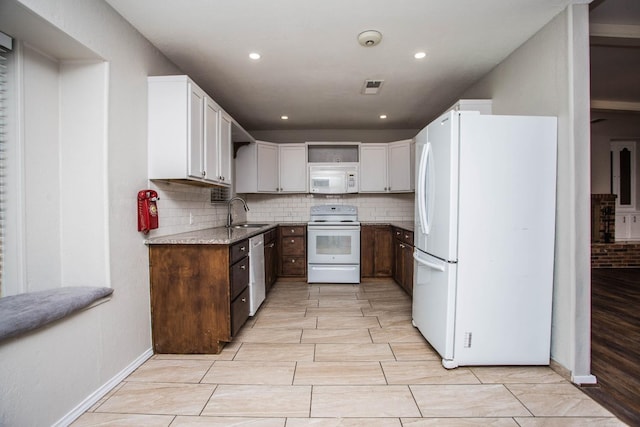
(615, 341)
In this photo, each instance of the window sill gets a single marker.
(29, 311)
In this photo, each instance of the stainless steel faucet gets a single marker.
(229, 219)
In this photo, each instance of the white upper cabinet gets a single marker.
(226, 148)
(293, 168)
(401, 166)
(373, 168)
(265, 167)
(387, 168)
(189, 134)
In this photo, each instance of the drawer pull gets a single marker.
(397, 233)
(242, 248)
(244, 300)
(243, 267)
(272, 245)
(293, 240)
(401, 245)
(293, 260)
(406, 236)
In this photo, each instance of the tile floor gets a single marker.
(338, 355)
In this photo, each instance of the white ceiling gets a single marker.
(312, 67)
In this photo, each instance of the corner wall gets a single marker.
(549, 75)
(50, 375)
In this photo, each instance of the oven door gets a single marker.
(333, 244)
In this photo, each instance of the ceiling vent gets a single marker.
(372, 87)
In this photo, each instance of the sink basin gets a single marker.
(251, 225)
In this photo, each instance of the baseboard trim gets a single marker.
(94, 397)
(565, 373)
(584, 380)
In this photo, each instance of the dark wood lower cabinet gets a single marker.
(376, 251)
(270, 258)
(293, 250)
(199, 296)
(403, 258)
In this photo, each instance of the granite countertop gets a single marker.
(210, 236)
(405, 225)
(225, 236)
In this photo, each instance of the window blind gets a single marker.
(6, 45)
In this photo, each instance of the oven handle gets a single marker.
(332, 227)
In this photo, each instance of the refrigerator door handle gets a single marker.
(425, 189)
(429, 264)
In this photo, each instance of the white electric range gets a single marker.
(333, 244)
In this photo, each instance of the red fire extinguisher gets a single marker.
(147, 210)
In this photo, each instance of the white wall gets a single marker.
(50, 373)
(548, 75)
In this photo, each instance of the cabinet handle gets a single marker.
(244, 300)
(293, 230)
(204, 173)
(293, 260)
(401, 245)
(397, 233)
(293, 240)
(242, 248)
(243, 267)
(406, 236)
(272, 245)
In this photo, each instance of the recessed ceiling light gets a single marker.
(383, 116)
(284, 117)
(419, 55)
(254, 55)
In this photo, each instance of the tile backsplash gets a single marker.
(185, 208)
(295, 207)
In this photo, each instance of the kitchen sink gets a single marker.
(251, 225)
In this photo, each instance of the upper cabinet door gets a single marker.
(373, 168)
(401, 166)
(267, 178)
(293, 168)
(196, 116)
(225, 144)
(211, 138)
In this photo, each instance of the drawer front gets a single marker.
(238, 250)
(239, 277)
(403, 235)
(239, 312)
(293, 266)
(293, 245)
(294, 230)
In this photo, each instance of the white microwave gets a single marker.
(333, 178)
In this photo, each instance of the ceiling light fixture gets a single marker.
(419, 55)
(383, 116)
(254, 55)
(284, 117)
(369, 38)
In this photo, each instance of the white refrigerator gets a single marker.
(484, 238)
